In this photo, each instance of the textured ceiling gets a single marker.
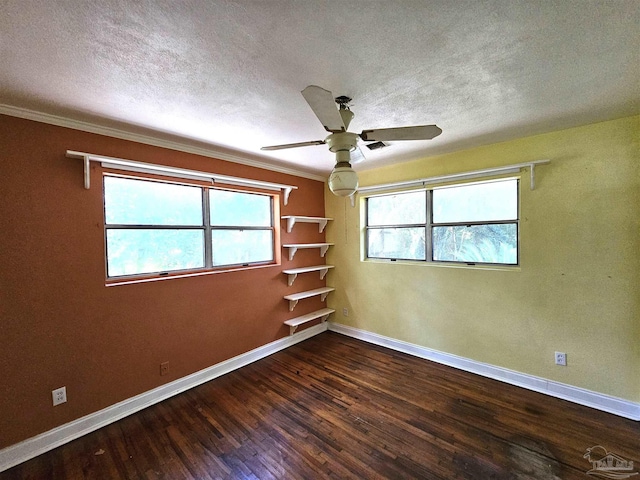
(228, 74)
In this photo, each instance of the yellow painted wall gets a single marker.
(577, 289)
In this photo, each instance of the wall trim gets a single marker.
(148, 140)
(34, 446)
(589, 398)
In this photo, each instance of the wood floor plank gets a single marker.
(333, 407)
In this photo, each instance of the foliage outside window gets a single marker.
(472, 223)
(154, 227)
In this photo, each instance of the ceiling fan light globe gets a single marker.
(343, 181)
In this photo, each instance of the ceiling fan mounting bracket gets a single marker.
(343, 102)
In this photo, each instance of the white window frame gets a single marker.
(428, 225)
(206, 228)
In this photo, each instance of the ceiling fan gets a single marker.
(343, 181)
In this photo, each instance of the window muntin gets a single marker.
(156, 227)
(470, 223)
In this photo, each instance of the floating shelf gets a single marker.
(292, 219)
(296, 322)
(293, 272)
(294, 247)
(295, 297)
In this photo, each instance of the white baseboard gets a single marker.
(32, 447)
(599, 401)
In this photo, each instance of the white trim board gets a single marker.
(148, 140)
(599, 401)
(34, 446)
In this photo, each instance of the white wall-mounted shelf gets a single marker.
(132, 166)
(296, 322)
(295, 297)
(293, 219)
(505, 169)
(294, 247)
(293, 272)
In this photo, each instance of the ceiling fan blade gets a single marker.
(293, 145)
(422, 132)
(323, 105)
(357, 156)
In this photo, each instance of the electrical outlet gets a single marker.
(164, 368)
(561, 359)
(59, 395)
(345, 311)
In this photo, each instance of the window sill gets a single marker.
(157, 278)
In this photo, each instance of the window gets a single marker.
(471, 223)
(156, 227)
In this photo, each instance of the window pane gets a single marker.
(239, 209)
(231, 247)
(403, 243)
(477, 202)
(139, 202)
(398, 209)
(131, 252)
(476, 244)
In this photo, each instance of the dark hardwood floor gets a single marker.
(335, 407)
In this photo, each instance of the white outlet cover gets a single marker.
(561, 359)
(59, 395)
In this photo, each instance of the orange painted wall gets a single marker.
(59, 323)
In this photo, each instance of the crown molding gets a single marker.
(148, 140)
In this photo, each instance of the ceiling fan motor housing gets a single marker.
(343, 141)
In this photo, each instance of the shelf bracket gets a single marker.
(323, 273)
(291, 277)
(323, 296)
(321, 225)
(292, 252)
(87, 173)
(323, 250)
(291, 221)
(292, 304)
(533, 178)
(287, 192)
(293, 328)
